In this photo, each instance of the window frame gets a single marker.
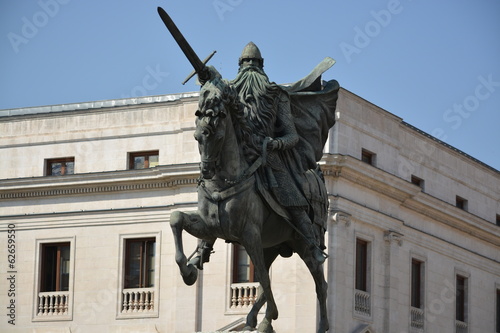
(146, 154)
(418, 181)
(49, 161)
(461, 292)
(144, 265)
(58, 268)
(122, 271)
(361, 273)
(461, 203)
(237, 251)
(497, 308)
(368, 157)
(466, 303)
(39, 244)
(369, 240)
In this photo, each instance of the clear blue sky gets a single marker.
(436, 64)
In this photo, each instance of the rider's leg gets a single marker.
(304, 224)
(203, 252)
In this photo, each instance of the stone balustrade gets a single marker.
(53, 303)
(417, 318)
(244, 294)
(362, 302)
(461, 326)
(138, 300)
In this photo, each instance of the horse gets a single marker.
(230, 206)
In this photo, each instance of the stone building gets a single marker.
(86, 191)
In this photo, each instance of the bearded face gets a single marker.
(259, 98)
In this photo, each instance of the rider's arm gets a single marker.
(286, 135)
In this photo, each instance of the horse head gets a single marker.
(216, 99)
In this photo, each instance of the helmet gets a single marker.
(251, 51)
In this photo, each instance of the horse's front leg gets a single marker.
(193, 224)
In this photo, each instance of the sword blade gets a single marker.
(193, 58)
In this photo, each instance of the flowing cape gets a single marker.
(313, 106)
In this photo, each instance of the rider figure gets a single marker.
(268, 113)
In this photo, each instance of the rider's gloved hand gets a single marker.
(274, 144)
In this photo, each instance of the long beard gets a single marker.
(259, 98)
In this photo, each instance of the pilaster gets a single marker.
(393, 241)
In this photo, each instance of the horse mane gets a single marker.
(222, 99)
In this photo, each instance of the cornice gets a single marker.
(409, 196)
(454, 217)
(160, 177)
(366, 175)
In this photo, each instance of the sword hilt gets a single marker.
(194, 71)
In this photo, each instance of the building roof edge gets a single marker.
(96, 104)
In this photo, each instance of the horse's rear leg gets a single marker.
(253, 245)
(193, 224)
(270, 255)
(318, 275)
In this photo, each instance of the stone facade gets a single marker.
(393, 191)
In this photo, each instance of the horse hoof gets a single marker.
(191, 276)
(323, 327)
(248, 328)
(265, 326)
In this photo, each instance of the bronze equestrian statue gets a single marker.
(260, 183)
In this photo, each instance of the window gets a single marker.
(498, 311)
(416, 283)
(244, 289)
(55, 267)
(60, 166)
(361, 265)
(461, 203)
(362, 297)
(243, 269)
(53, 296)
(498, 219)
(138, 295)
(367, 157)
(139, 263)
(144, 159)
(461, 300)
(417, 295)
(417, 181)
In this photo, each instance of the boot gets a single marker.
(202, 254)
(304, 224)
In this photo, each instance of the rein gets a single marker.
(242, 183)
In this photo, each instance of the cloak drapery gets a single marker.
(313, 106)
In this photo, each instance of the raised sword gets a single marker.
(199, 66)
